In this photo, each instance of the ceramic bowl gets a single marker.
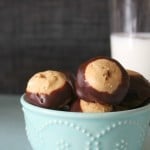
(59, 130)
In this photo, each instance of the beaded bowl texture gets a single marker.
(59, 130)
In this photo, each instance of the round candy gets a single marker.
(49, 89)
(81, 105)
(138, 93)
(102, 80)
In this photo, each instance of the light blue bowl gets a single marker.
(58, 130)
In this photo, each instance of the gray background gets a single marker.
(49, 34)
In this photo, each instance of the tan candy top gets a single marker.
(46, 82)
(103, 75)
(94, 107)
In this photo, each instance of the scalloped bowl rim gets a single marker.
(82, 115)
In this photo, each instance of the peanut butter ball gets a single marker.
(49, 89)
(81, 105)
(102, 80)
(138, 93)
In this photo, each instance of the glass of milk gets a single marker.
(130, 34)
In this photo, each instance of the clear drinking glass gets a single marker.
(130, 34)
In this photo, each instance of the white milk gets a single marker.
(132, 51)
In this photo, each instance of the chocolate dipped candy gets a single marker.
(81, 105)
(49, 89)
(138, 93)
(102, 80)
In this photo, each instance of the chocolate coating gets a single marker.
(71, 80)
(138, 93)
(139, 84)
(75, 107)
(87, 92)
(54, 100)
